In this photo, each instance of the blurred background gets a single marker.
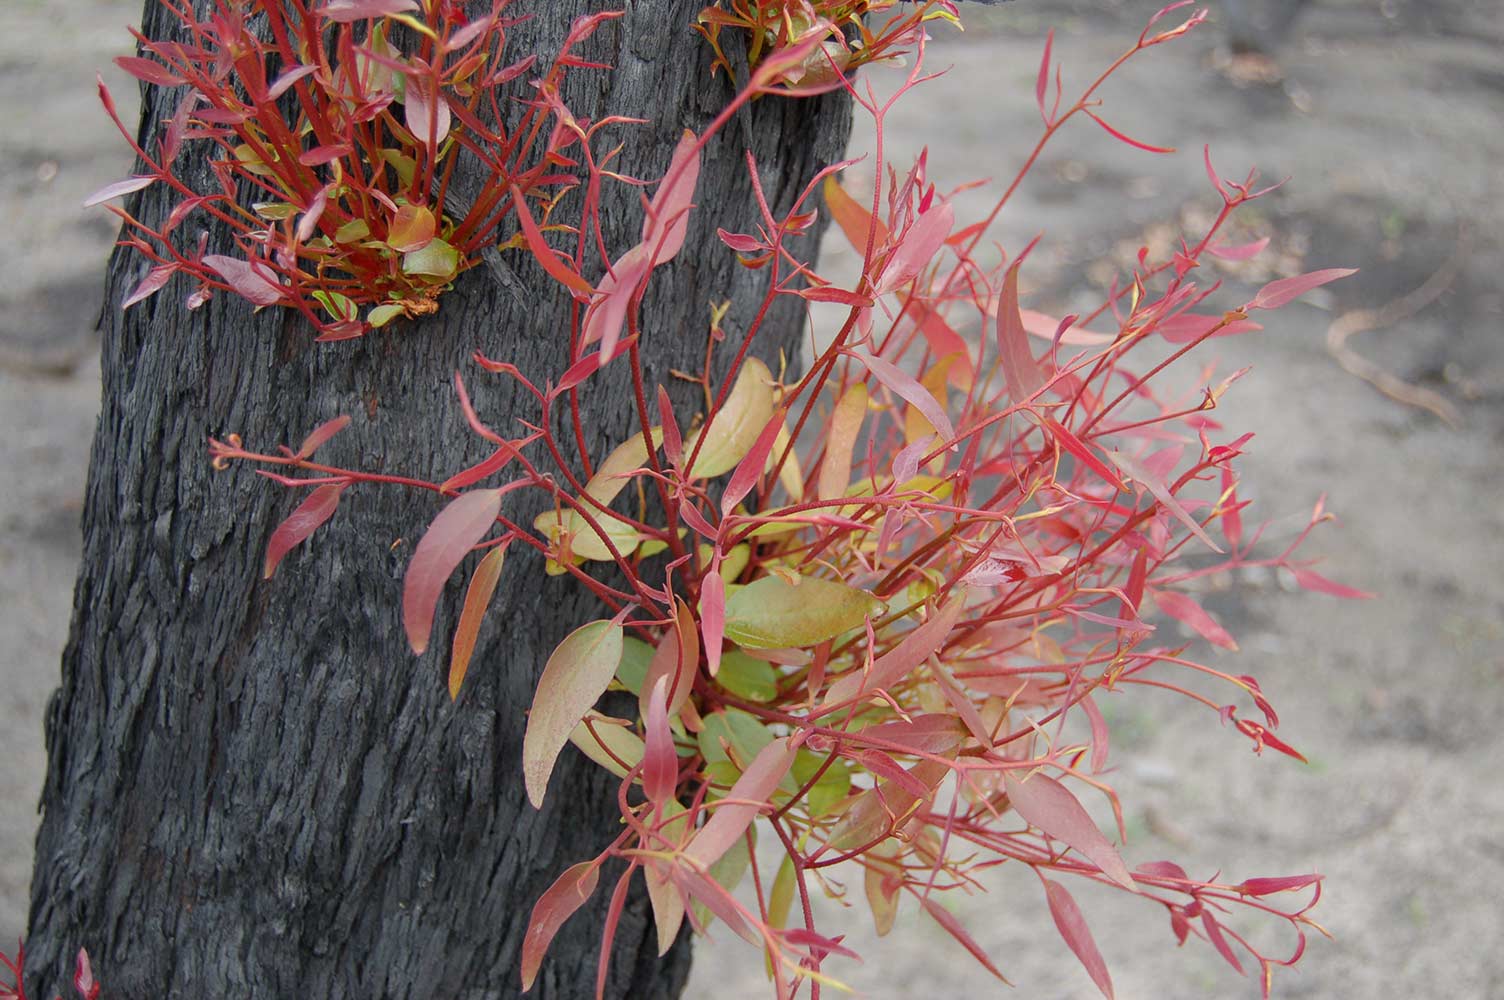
(1388, 116)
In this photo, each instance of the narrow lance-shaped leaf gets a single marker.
(750, 468)
(854, 219)
(668, 213)
(912, 650)
(1072, 927)
(458, 528)
(302, 522)
(771, 613)
(322, 433)
(734, 429)
(916, 395)
(1020, 370)
(840, 442)
(1277, 293)
(953, 927)
(676, 659)
(916, 248)
(253, 281)
(544, 254)
(713, 617)
(1049, 806)
(741, 805)
(1184, 609)
(577, 673)
(477, 598)
(1136, 471)
(568, 893)
(660, 765)
(117, 189)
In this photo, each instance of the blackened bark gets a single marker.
(254, 789)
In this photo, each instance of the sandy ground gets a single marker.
(1388, 118)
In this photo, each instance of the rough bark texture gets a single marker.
(254, 789)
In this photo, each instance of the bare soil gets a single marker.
(1387, 115)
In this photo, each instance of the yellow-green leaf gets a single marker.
(772, 613)
(734, 430)
(436, 260)
(609, 742)
(412, 229)
(747, 677)
(578, 672)
(845, 425)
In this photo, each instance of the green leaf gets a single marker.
(352, 231)
(578, 672)
(747, 677)
(635, 657)
(382, 315)
(436, 260)
(832, 788)
(742, 732)
(736, 426)
(772, 613)
(341, 307)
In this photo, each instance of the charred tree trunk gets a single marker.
(254, 789)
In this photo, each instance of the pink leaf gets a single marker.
(1277, 293)
(750, 468)
(457, 529)
(577, 673)
(1049, 806)
(1072, 927)
(302, 522)
(426, 111)
(953, 927)
(308, 224)
(1244, 251)
(1186, 327)
(568, 893)
(1078, 448)
(916, 395)
(323, 432)
(1100, 734)
(741, 805)
(285, 81)
(668, 213)
(1184, 609)
(898, 662)
(149, 71)
(1121, 137)
(83, 977)
(676, 659)
(660, 765)
(320, 155)
(151, 284)
(609, 311)
(1315, 581)
(713, 617)
(1135, 471)
(117, 189)
(345, 11)
(1019, 367)
(1042, 84)
(916, 248)
(253, 281)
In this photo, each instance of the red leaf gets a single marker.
(1315, 581)
(151, 284)
(568, 893)
(1277, 293)
(1041, 85)
(477, 597)
(1078, 448)
(677, 658)
(1072, 927)
(668, 213)
(320, 155)
(916, 395)
(1139, 474)
(747, 472)
(1019, 367)
(253, 281)
(1186, 327)
(285, 81)
(1184, 609)
(149, 71)
(83, 977)
(457, 529)
(854, 219)
(1049, 806)
(590, 364)
(945, 342)
(302, 522)
(833, 293)
(947, 920)
(323, 432)
(896, 663)
(1099, 734)
(545, 255)
(117, 189)
(1136, 144)
(1214, 933)
(1283, 883)
(741, 805)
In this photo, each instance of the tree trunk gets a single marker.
(254, 789)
